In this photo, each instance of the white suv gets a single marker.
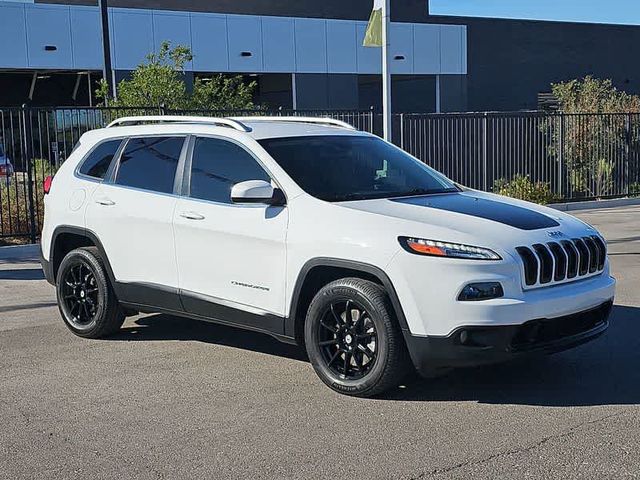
(319, 235)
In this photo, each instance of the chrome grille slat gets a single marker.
(602, 249)
(584, 256)
(562, 262)
(546, 263)
(573, 258)
(593, 253)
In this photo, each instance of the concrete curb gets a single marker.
(20, 252)
(595, 204)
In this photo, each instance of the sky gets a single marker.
(595, 11)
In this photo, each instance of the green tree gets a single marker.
(593, 95)
(587, 139)
(221, 92)
(160, 81)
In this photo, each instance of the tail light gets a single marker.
(4, 170)
(46, 185)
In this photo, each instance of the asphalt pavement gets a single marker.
(171, 398)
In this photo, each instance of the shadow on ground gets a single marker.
(22, 274)
(168, 327)
(604, 372)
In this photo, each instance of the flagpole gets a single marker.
(386, 72)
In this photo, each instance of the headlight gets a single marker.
(421, 246)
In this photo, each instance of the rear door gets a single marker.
(231, 257)
(131, 213)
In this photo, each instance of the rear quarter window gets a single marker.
(97, 163)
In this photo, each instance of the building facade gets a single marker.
(307, 54)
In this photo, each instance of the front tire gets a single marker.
(86, 299)
(353, 340)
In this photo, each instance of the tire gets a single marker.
(86, 299)
(362, 357)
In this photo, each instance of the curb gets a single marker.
(595, 204)
(19, 252)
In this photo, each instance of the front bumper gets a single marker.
(481, 345)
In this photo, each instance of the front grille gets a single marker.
(560, 262)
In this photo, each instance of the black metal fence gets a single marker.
(580, 156)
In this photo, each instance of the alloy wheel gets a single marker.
(80, 294)
(348, 340)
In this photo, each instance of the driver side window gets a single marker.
(217, 165)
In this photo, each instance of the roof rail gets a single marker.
(221, 122)
(314, 120)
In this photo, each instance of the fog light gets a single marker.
(481, 291)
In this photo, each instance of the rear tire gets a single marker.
(353, 340)
(86, 299)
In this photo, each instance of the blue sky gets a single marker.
(597, 11)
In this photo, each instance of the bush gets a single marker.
(14, 199)
(523, 188)
(582, 140)
(159, 81)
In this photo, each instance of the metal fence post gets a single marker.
(402, 131)
(560, 156)
(627, 152)
(485, 152)
(28, 154)
(371, 120)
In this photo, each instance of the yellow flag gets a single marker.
(373, 35)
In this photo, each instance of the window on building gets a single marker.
(150, 163)
(217, 166)
(98, 161)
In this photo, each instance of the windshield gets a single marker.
(348, 167)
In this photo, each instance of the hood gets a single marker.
(476, 218)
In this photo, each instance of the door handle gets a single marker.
(105, 201)
(192, 216)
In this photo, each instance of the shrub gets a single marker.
(14, 199)
(159, 81)
(523, 188)
(581, 140)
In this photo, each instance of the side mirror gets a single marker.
(256, 191)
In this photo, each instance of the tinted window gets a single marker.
(217, 166)
(99, 160)
(150, 163)
(348, 167)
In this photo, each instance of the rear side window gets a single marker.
(150, 163)
(98, 161)
(217, 166)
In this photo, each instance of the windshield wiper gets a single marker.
(422, 191)
(378, 195)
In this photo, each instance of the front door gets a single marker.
(231, 257)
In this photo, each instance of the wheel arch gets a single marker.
(66, 238)
(317, 272)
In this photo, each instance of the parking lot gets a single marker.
(175, 398)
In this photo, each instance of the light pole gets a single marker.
(107, 72)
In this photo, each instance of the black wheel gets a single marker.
(86, 300)
(353, 340)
